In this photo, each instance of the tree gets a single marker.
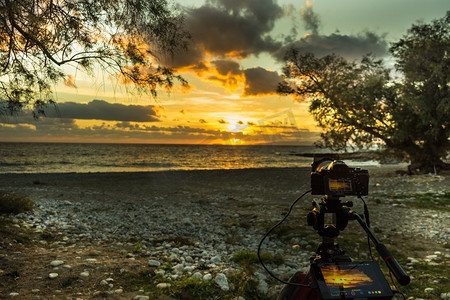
(124, 37)
(361, 105)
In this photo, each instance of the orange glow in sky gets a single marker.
(232, 76)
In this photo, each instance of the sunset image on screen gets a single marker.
(350, 278)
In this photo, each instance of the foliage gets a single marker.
(248, 257)
(124, 37)
(360, 105)
(191, 288)
(14, 204)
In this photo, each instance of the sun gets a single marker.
(234, 142)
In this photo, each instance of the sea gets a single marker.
(85, 158)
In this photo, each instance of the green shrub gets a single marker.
(191, 288)
(248, 257)
(13, 204)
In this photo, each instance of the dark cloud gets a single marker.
(222, 121)
(227, 67)
(259, 81)
(349, 46)
(233, 28)
(220, 33)
(202, 121)
(310, 19)
(102, 110)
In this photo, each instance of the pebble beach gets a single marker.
(89, 230)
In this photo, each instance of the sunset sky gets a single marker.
(233, 67)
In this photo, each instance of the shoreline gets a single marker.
(368, 164)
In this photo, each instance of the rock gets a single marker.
(53, 275)
(207, 277)
(215, 259)
(445, 295)
(163, 285)
(103, 282)
(173, 257)
(109, 279)
(154, 263)
(429, 290)
(35, 291)
(56, 263)
(262, 287)
(84, 274)
(13, 294)
(189, 269)
(222, 281)
(178, 268)
(90, 260)
(197, 275)
(412, 260)
(187, 221)
(140, 297)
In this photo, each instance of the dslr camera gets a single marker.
(334, 178)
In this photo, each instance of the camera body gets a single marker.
(334, 178)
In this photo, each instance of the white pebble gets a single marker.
(163, 285)
(207, 277)
(56, 263)
(222, 281)
(154, 263)
(197, 275)
(84, 274)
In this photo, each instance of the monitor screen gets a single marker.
(351, 280)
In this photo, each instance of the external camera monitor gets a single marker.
(351, 280)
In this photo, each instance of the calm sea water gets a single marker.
(81, 158)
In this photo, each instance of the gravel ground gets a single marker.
(107, 224)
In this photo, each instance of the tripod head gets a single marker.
(329, 217)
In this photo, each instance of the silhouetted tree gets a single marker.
(124, 37)
(360, 105)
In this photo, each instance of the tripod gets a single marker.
(328, 217)
(330, 208)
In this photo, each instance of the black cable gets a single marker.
(269, 232)
(367, 219)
